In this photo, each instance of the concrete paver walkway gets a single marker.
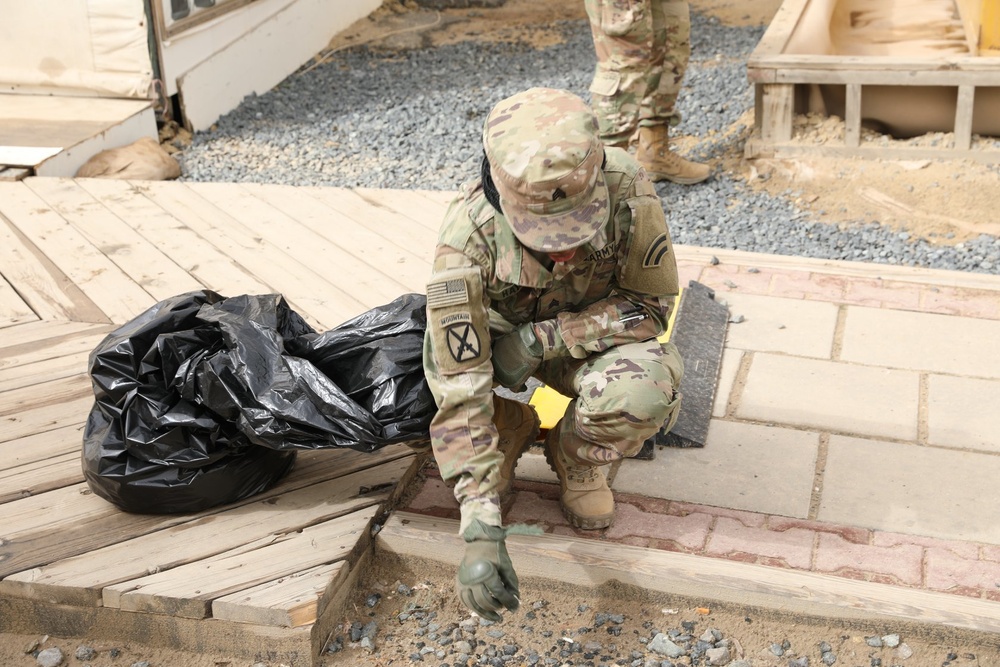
(856, 431)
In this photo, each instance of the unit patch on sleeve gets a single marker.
(457, 320)
(463, 341)
(658, 249)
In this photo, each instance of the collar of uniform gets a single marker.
(517, 266)
(513, 264)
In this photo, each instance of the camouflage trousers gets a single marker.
(620, 397)
(643, 48)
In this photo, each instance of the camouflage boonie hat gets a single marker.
(545, 160)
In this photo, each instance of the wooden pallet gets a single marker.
(781, 81)
(268, 575)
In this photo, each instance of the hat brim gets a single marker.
(560, 232)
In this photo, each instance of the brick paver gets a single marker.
(946, 571)
(962, 302)
(963, 412)
(883, 294)
(688, 532)
(792, 547)
(829, 395)
(921, 341)
(789, 326)
(907, 488)
(902, 562)
(740, 467)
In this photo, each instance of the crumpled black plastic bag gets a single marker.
(203, 400)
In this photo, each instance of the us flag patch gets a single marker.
(447, 293)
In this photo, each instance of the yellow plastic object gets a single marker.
(989, 29)
(551, 405)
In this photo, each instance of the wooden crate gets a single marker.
(782, 81)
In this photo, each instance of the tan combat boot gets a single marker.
(585, 497)
(661, 163)
(517, 425)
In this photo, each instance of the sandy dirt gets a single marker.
(945, 202)
(554, 616)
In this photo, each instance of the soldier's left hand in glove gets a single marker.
(486, 579)
(516, 356)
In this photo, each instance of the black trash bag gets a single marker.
(202, 401)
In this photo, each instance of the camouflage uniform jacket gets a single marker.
(577, 308)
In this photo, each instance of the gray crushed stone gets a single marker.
(412, 119)
(543, 639)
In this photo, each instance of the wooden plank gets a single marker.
(891, 66)
(963, 117)
(777, 103)
(141, 260)
(46, 418)
(13, 309)
(44, 288)
(919, 77)
(15, 360)
(364, 283)
(42, 333)
(289, 602)
(188, 591)
(72, 520)
(392, 226)
(442, 198)
(38, 447)
(407, 203)
(970, 11)
(590, 563)
(406, 266)
(284, 274)
(15, 173)
(106, 285)
(852, 116)
(26, 375)
(756, 147)
(283, 237)
(191, 252)
(54, 392)
(780, 29)
(40, 476)
(81, 579)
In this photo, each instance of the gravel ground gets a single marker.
(412, 119)
(403, 618)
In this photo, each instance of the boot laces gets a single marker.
(582, 474)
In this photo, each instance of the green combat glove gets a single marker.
(516, 356)
(486, 579)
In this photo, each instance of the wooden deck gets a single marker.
(80, 257)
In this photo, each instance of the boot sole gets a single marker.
(575, 520)
(656, 178)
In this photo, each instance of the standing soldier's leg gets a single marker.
(670, 55)
(623, 43)
(621, 398)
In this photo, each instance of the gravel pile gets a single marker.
(412, 119)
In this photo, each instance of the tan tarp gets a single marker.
(83, 47)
